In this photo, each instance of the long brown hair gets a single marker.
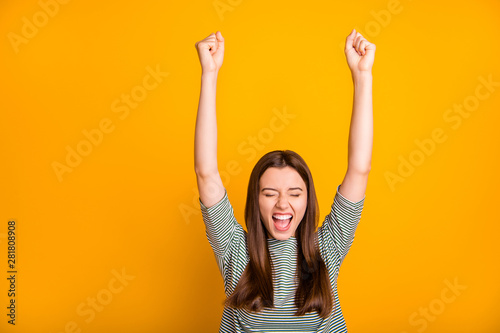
(254, 290)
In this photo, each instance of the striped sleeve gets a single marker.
(228, 241)
(220, 224)
(340, 225)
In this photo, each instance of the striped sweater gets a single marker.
(228, 241)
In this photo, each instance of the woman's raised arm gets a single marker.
(211, 55)
(360, 55)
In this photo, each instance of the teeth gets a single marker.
(282, 217)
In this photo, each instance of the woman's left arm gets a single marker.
(360, 56)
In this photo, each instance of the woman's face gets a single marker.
(282, 201)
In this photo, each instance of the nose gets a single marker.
(282, 202)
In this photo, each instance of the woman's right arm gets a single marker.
(210, 187)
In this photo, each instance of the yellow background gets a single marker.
(131, 203)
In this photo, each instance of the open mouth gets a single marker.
(282, 222)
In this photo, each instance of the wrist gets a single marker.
(209, 75)
(362, 77)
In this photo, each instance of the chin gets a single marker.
(282, 235)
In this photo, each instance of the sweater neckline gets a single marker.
(291, 239)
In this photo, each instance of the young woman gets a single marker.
(281, 275)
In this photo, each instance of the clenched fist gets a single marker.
(359, 52)
(211, 52)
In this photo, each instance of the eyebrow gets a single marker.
(273, 189)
